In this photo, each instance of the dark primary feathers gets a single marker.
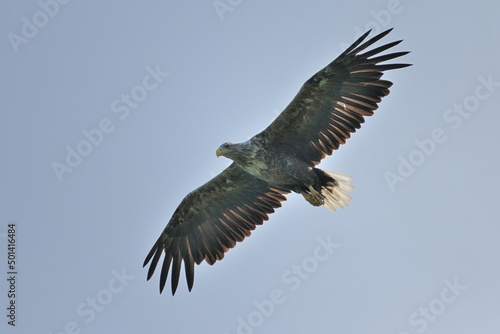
(210, 220)
(332, 104)
(329, 107)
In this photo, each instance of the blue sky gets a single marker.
(148, 91)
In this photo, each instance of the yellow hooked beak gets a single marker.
(218, 153)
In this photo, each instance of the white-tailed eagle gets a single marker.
(329, 107)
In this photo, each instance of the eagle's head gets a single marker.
(226, 150)
(238, 152)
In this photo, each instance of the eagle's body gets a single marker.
(282, 167)
(278, 165)
(281, 159)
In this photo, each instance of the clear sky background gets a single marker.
(416, 251)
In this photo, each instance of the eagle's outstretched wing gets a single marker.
(210, 220)
(332, 104)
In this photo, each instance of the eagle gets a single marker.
(281, 159)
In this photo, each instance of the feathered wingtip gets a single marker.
(357, 47)
(173, 258)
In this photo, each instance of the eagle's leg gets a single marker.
(313, 196)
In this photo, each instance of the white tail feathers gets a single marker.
(336, 196)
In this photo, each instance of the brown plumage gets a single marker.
(329, 107)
